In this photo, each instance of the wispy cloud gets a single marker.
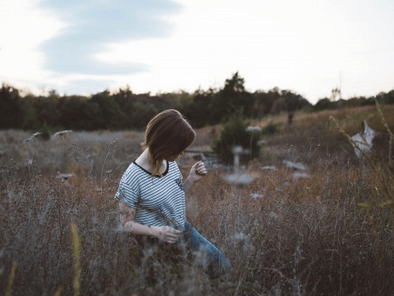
(92, 25)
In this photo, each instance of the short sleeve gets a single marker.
(178, 170)
(128, 195)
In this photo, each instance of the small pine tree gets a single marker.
(234, 134)
(45, 133)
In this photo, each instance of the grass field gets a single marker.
(330, 233)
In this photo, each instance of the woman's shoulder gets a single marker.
(129, 183)
(173, 167)
(133, 172)
(132, 167)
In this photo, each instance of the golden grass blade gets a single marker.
(11, 279)
(391, 136)
(77, 259)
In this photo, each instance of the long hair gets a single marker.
(166, 135)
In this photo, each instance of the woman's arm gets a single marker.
(164, 233)
(197, 172)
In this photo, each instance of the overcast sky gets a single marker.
(307, 46)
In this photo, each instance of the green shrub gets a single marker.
(45, 133)
(270, 129)
(234, 134)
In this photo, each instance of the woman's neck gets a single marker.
(143, 161)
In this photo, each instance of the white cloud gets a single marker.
(24, 28)
(269, 43)
(304, 45)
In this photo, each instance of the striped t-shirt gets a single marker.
(157, 200)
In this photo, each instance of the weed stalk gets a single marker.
(11, 278)
(77, 259)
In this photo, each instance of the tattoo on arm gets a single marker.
(125, 213)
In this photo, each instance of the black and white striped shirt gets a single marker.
(157, 200)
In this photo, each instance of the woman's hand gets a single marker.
(198, 171)
(167, 234)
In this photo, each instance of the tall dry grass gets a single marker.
(330, 234)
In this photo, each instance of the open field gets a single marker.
(330, 233)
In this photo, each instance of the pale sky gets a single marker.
(306, 46)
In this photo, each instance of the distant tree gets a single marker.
(164, 101)
(280, 105)
(125, 100)
(324, 104)
(335, 94)
(182, 100)
(357, 101)
(380, 97)
(110, 114)
(30, 118)
(47, 111)
(11, 110)
(389, 98)
(142, 114)
(286, 101)
(263, 102)
(232, 98)
(197, 112)
(79, 113)
(234, 84)
(90, 115)
(386, 98)
(294, 101)
(53, 93)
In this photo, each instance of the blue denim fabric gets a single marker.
(216, 263)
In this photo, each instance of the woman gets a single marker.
(151, 193)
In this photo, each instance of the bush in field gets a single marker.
(270, 129)
(234, 134)
(45, 133)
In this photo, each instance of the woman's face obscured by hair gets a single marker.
(167, 135)
(174, 157)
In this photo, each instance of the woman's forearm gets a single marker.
(139, 229)
(188, 184)
(163, 233)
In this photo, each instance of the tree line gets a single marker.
(126, 110)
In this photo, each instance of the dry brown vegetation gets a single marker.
(329, 234)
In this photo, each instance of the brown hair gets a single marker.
(167, 134)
